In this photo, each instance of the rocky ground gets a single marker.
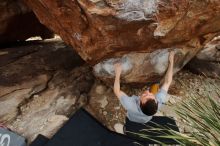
(43, 83)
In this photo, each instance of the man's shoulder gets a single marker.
(162, 96)
(130, 97)
(135, 96)
(129, 102)
(161, 91)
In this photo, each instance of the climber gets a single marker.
(140, 109)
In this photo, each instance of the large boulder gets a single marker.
(138, 33)
(211, 51)
(18, 22)
(41, 85)
(207, 61)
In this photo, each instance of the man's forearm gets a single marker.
(117, 84)
(169, 73)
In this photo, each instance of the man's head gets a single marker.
(148, 103)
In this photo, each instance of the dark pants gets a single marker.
(147, 129)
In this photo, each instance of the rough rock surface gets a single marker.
(41, 85)
(18, 22)
(206, 68)
(106, 29)
(207, 61)
(211, 51)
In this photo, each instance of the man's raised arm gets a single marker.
(169, 73)
(117, 89)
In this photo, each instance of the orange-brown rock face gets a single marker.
(138, 31)
(18, 22)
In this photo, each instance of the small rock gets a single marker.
(3, 52)
(42, 127)
(51, 87)
(82, 100)
(159, 113)
(100, 89)
(119, 128)
(105, 113)
(57, 118)
(36, 96)
(117, 108)
(103, 102)
(18, 120)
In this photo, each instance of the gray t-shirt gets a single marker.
(132, 105)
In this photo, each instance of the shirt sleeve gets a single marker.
(127, 102)
(162, 97)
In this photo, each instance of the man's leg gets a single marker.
(132, 129)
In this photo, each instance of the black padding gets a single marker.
(40, 141)
(146, 129)
(84, 130)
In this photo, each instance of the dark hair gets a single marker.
(149, 108)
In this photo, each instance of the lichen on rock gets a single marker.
(137, 10)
